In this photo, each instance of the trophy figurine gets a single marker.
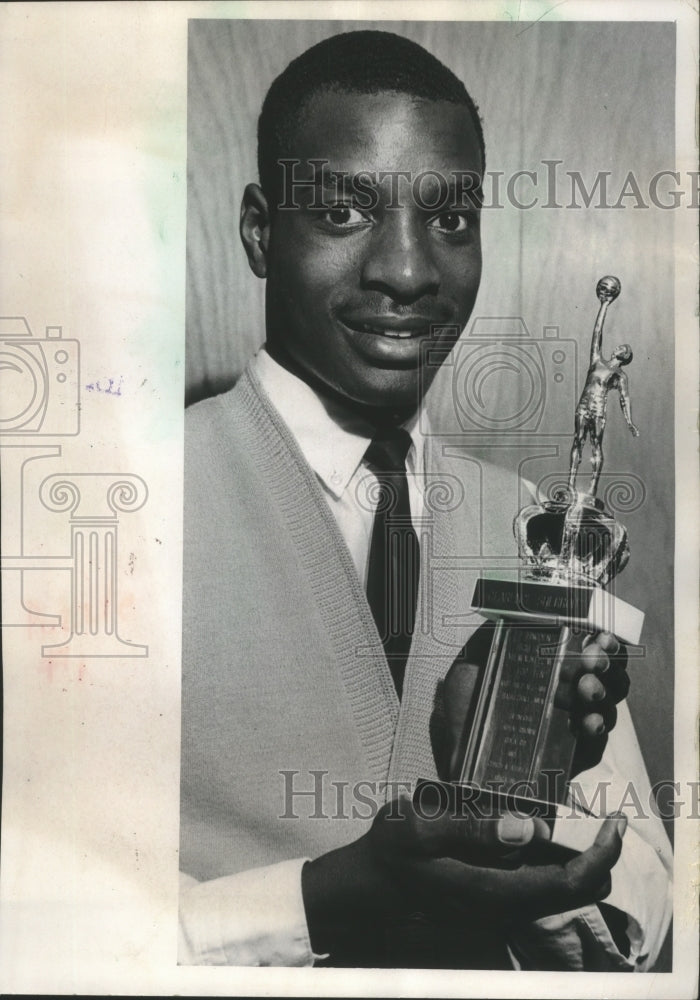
(518, 748)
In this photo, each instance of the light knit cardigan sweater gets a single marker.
(283, 666)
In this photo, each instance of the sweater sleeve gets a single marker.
(252, 918)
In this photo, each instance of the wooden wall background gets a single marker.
(598, 96)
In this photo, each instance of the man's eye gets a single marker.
(343, 216)
(450, 222)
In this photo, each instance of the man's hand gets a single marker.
(451, 867)
(591, 685)
(633, 430)
(481, 867)
(496, 869)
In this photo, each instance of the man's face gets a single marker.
(353, 291)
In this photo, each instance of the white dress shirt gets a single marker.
(334, 446)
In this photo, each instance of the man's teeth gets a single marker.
(396, 334)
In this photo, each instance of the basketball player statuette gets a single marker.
(601, 378)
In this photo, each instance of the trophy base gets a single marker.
(518, 748)
(591, 609)
(569, 830)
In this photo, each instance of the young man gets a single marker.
(309, 696)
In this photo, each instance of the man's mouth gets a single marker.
(392, 340)
(393, 327)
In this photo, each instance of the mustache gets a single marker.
(428, 311)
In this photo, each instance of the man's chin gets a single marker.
(386, 392)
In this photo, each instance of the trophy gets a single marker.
(518, 748)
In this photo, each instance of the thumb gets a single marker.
(592, 868)
(435, 827)
(468, 834)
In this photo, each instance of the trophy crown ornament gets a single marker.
(571, 540)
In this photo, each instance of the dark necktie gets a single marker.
(394, 555)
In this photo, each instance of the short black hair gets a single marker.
(355, 62)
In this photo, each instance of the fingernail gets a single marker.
(515, 829)
(620, 823)
(612, 643)
(540, 829)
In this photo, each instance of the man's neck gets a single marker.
(373, 416)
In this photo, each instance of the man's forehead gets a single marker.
(387, 130)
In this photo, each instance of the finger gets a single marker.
(589, 872)
(590, 690)
(610, 645)
(590, 637)
(430, 828)
(485, 839)
(526, 893)
(473, 836)
(616, 652)
(502, 896)
(592, 722)
(498, 895)
(589, 658)
(613, 676)
(590, 726)
(457, 693)
(608, 642)
(594, 659)
(569, 675)
(593, 694)
(596, 724)
(571, 665)
(580, 696)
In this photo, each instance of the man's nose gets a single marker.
(399, 260)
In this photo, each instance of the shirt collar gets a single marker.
(331, 441)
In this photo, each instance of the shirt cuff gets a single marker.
(581, 940)
(253, 918)
(643, 890)
(575, 941)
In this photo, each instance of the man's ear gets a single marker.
(255, 228)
